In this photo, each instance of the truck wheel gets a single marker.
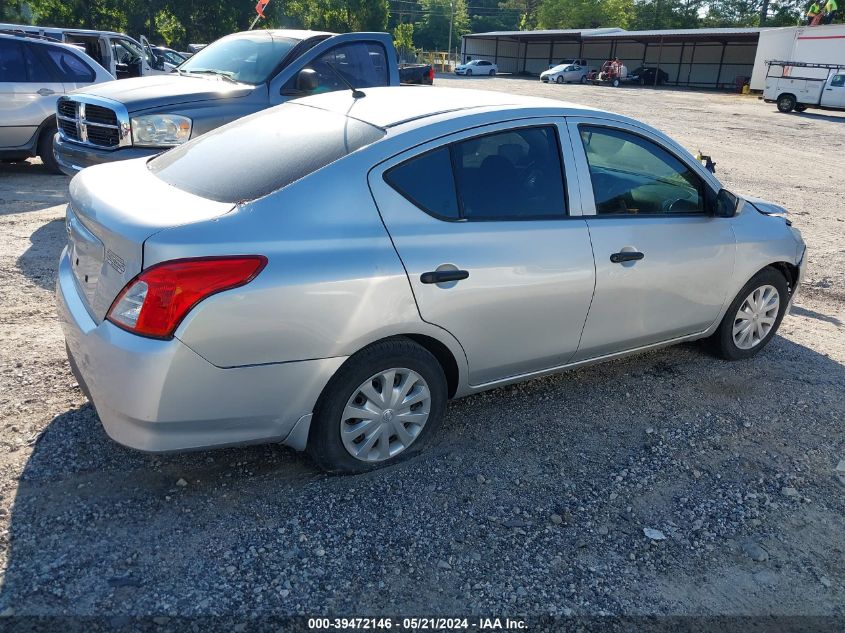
(800, 107)
(45, 150)
(786, 103)
(583, 79)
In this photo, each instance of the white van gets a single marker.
(121, 55)
(800, 85)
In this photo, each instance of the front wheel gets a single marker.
(469, 73)
(383, 404)
(492, 73)
(559, 79)
(753, 317)
(786, 103)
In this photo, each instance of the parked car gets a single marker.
(416, 74)
(477, 67)
(118, 53)
(566, 74)
(346, 264)
(645, 76)
(34, 73)
(169, 56)
(237, 75)
(570, 62)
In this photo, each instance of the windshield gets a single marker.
(246, 57)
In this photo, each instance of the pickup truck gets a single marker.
(797, 86)
(237, 75)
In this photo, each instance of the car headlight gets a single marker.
(160, 130)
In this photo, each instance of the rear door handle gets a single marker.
(46, 92)
(442, 276)
(626, 256)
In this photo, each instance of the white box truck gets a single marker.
(794, 85)
(809, 44)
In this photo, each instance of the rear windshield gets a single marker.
(261, 153)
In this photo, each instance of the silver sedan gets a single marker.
(328, 273)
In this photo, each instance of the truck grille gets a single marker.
(90, 124)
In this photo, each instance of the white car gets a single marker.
(477, 67)
(565, 73)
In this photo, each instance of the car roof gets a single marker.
(394, 106)
(42, 41)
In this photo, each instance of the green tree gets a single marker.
(666, 14)
(528, 11)
(169, 27)
(433, 26)
(584, 14)
(403, 39)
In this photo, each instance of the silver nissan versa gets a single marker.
(329, 272)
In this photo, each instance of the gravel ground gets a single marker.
(534, 499)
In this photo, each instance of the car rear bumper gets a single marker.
(73, 158)
(155, 395)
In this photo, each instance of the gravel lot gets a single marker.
(533, 499)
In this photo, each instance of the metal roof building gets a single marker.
(703, 58)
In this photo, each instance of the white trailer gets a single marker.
(808, 44)
(800, 85)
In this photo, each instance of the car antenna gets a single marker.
(356, 94)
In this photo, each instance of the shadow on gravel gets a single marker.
(812, 314)
(40, 261)
(538, 491)
(29, 186)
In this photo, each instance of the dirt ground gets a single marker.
(533, 499)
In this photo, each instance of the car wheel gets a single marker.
(616, 83)
(492, 73)
(786, 103)
(381, 406)
(469, 73)
(559, 79)
(583, 79)
(800, 107)
(45, 150)
(753, 317)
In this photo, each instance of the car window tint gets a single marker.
(632, 175)
(510, 175)
(261, 153)
(838, 81)
(362, 64)
(70, 67)
(36, 67)
(12, 66)
(428, 183)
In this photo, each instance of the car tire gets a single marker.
(728, 341)
(492, 73)
(583, 79)
(469, 73)
(45, 150)
(559, 79)
(365, 371)
(616, 83)
(786, 103)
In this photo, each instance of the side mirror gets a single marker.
(725, 204)
(307, 80)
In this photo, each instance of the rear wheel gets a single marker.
(786, 103)
(753, 317)
(45, 150)
(616, 83)
(383, 404)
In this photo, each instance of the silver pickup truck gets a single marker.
(237, 75)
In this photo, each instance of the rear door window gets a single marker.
(69, 67)
(510, 175)
(12, 65)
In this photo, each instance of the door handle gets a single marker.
(46, 92)
(442, 276)
(626, 256)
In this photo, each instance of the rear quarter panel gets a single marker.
(333, 282)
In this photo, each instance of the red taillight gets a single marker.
(155, 302)
(431, 74)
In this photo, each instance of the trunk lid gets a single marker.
(113, 209)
